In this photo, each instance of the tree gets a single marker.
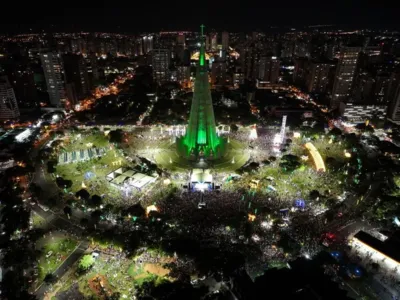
(331, 162)
(234, 128)
(95, 216)
(63, 183)
(135, 210)
(290, 162)
(68, 211)
(84, 222)
(50, 278)
(51, 166)
(115, 296)
(116, 136)
(14, 218)
(86, 262)
(336, 132)
(314, 194)
(82, 194)
(14, 286)
(288, 245)
(35, 189)
(94, 201)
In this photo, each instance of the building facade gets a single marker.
(362, 112)
(218, 73)
(319, 76)
(394, 108)
(8, 102)
(76, 73)
(268, 69)
(344, 77)
(225, 40)
(53, 72)
(214, 41)
(148, 42)
(161, 59)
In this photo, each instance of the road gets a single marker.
(63, 268)
(60, 223)
(352, 228)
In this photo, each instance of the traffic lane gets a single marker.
(351, 229)
(75, 256)
(64, 267)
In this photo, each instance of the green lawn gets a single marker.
(396, 192)
(99, 166)
(61, 247)
(122, 274)
(73, 142)
(135, 270)
(168, 157)
(334, 149)
(37, 221)
(118, 274)
(299, 183)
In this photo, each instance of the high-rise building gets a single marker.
(78, 46)
(139, 47)
(394, 107)
(319, 77)
(147, 44)
(238, 79)
(183, 75)
(249, 60)
(76, 72)
(92, 68)
(71, 93)
(160, 63)
(180, 39)
(300, 71)
(302, 48)
(214, 41)
(208, 45)
(382, 81)
(363, 88)
(345, 72)
(53, 72)
(218, 73)
(225, 40)
(394, 83)
(287, 49)
(8, 102)
(268, 69)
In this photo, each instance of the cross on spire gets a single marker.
(202, 29)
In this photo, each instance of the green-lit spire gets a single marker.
(201, 137)
(202, 56)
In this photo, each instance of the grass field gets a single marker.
(326, 147)
(100, 167)
(85, 141)
(396, 191)
(299, 183)
(37, 221)
(121, 275)
(60, 245)
(169, 158)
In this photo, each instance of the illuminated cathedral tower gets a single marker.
(201, 140)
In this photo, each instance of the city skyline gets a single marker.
(200, 151)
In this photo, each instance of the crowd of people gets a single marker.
(386, 274)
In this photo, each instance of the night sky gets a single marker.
(136, 16)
